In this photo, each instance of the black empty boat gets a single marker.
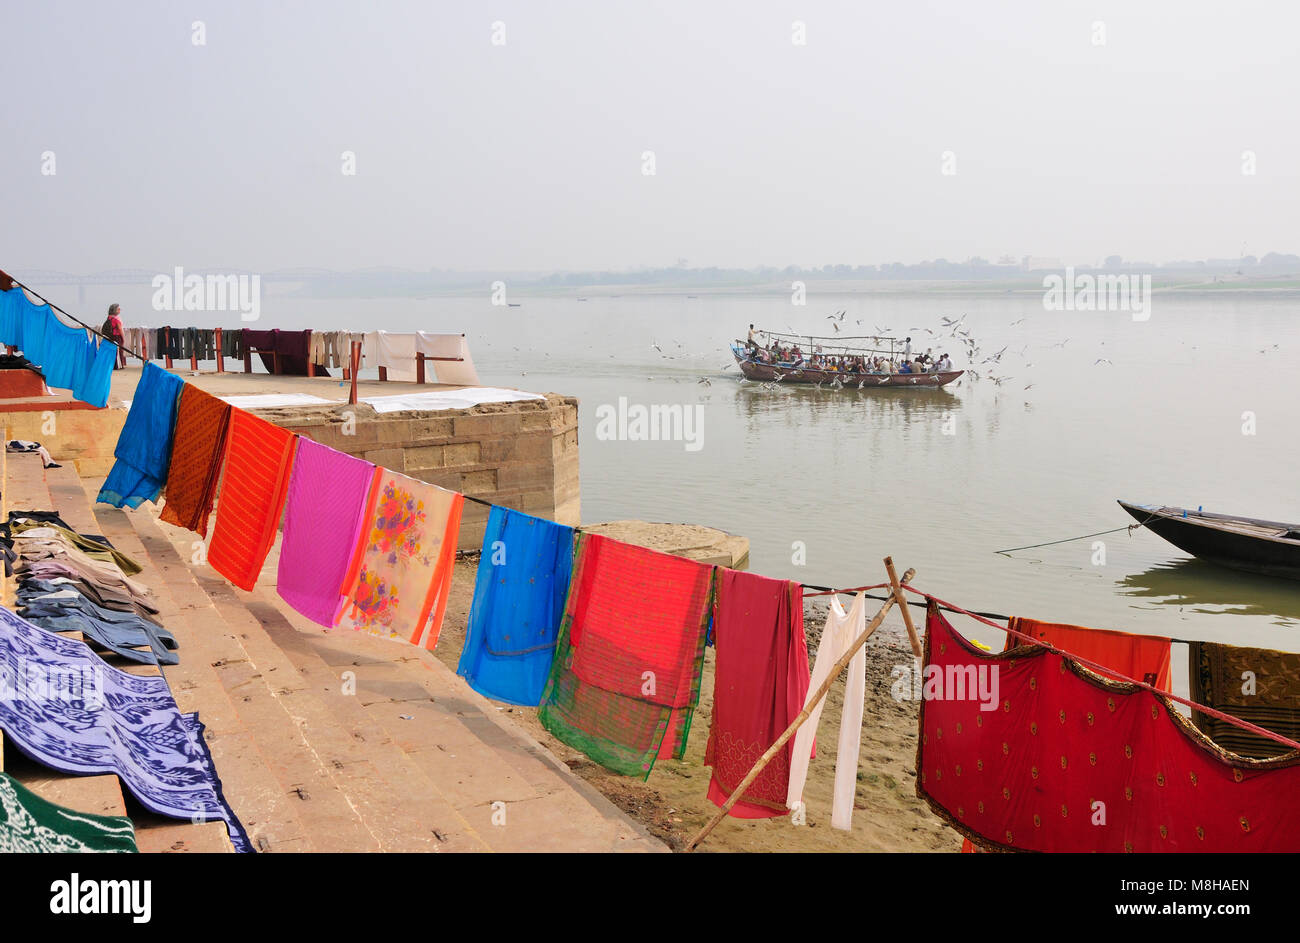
(1243, 543)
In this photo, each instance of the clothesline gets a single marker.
(1112, 673)
(6, 277)
(461, 358)
(986, 618)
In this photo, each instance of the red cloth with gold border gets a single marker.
(1070, 761)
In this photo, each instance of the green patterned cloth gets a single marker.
(30, 824)
(630, 655)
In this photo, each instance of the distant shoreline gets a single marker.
(813, 288)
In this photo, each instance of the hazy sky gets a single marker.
(528, 155)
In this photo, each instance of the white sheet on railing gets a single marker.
(394, 352)
(459, 373)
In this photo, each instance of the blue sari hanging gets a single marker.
(519, 595)
(144, 448)
(66, 356)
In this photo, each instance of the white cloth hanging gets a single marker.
(457, 371)
(841, 631)
(396, 353)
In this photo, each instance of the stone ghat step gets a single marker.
(94, 794)
(437, 734)
(351, 792)
(215, 678)
(515, 793)
(404, 806)
(27, 487)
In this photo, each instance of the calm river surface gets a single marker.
(855, 475)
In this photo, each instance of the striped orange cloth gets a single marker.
(258, 460)
(202, 422)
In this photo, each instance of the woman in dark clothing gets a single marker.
(112, 329)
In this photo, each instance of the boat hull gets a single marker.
(1239, 543)
(766, 372)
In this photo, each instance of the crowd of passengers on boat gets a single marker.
(791, 355)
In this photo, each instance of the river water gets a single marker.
(824, 484)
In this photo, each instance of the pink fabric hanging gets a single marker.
(331, 498)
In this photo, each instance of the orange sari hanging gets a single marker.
(1140, 657)
(202, 422)
(253, 489)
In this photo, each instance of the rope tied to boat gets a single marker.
(1101, 533)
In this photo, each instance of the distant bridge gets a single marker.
(38, 278)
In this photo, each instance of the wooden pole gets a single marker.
(798, 722)
(356, 366)
(907, 610)
(221, 357)
(167, 342)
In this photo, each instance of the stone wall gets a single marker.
(522, 455)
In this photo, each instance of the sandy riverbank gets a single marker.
(672, 803)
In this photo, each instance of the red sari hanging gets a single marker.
(1066, 760)
(760, 683)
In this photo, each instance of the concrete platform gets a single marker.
(693, 541)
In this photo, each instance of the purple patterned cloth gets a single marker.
(63, 706)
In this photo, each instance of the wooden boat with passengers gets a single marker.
(1243, 543)
(805, 358)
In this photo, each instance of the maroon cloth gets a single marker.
(760, 683)
(293, 349)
